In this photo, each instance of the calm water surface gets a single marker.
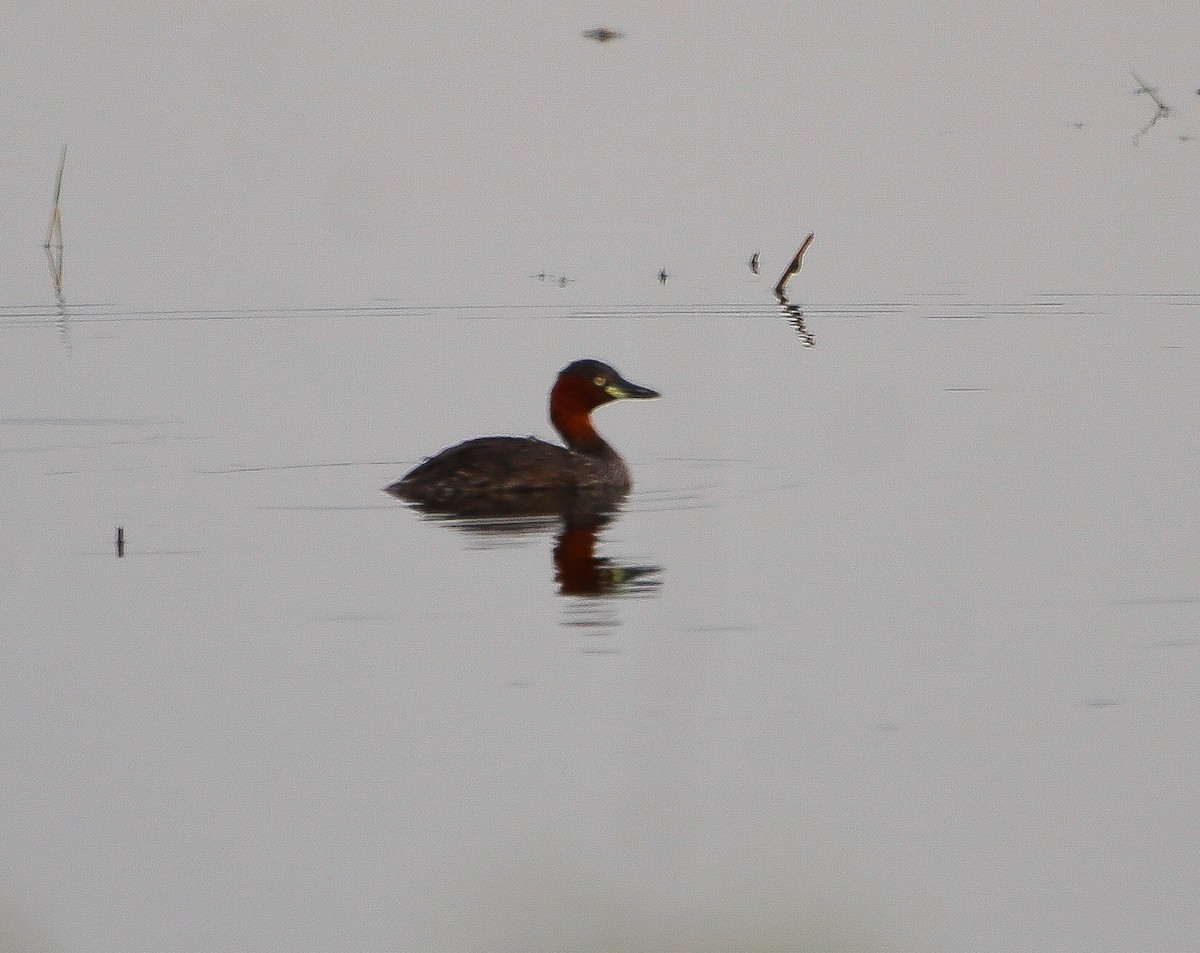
(893, 646)
(906, 618)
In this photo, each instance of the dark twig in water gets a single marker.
(781, 287)
(1162, 112)
(754, 263)
(54, 250)
(54, 257)
(120, 541)
(663, 276)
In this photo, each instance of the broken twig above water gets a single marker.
(54, 232)
(781, 287)
(54, 258)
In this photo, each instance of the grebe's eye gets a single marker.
(599, 380)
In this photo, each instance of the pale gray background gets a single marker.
(921, 670)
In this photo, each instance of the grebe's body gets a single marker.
(510, 470)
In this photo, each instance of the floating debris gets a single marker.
(754, 263)
(663, 276)
(561, 280)
(1162, 112)
(602, 34)
(120, 541)
(781, 287)
(1151, 91)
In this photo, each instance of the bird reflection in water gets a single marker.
(580, 572)
(576, 519)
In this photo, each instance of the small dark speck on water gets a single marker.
(120, 541)
(603, 34)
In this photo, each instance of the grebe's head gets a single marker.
(582, 386)
(595, 383)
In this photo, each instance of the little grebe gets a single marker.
(511, 468)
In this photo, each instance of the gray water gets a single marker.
(895, 642)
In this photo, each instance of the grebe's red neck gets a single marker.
(572, 400)
(582, 386)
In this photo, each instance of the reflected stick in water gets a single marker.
(120, 542)
(781, 287)
(795, 316)
(54, 258)
(753, 263)
(1161, 112)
